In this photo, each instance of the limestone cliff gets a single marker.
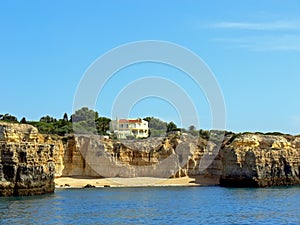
(74, 161)
(257, 160)
(27, 162)
(89, 156)
(172, 156)
(243, 160)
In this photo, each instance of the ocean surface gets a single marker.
(157, 205)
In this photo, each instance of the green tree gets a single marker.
(193, 131)
(205, 134)
(84, 114)
(171, 127)
(66, 118)
(48, 119)
(64, 121)
(50, 125)
(23, 120)
(157, 127)
(102, 125)
(43, 127)
(84, 121)
(9, 118)
(148, 118)
(155, 123)
(62, 129)
(192, 128)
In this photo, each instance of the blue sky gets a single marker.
(252, 47)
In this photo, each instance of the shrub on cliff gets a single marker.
(204, 134)
(157, 133)
(50, 125)
(9, 118)
(48, 119)
(172, 127)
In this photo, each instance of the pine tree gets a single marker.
(171, 127)
(23, 120)
(65, 118)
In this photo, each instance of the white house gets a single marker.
(130, 127)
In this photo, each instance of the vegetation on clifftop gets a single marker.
(83, 119)
(88, 121)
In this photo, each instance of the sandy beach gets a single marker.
(78, 182)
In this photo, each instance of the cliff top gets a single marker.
(16, 132)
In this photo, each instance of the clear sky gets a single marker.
(252, 47)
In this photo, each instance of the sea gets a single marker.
(156, 205)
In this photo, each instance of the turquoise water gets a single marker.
(167, 205)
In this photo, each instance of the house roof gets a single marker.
(130, 120)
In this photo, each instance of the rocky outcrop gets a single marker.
(89, 156)
(246, 160)
(255, 160)
(172, 156)
(27, 161)
(75, 163)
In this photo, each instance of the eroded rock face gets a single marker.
(27, 163)
(261, 160)
(246, 160)
(74, 161)
(172, 156)
(88, 156)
